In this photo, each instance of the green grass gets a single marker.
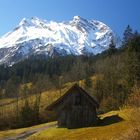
(14, 132)
(102, 132)
(110, 129)
(107, 131)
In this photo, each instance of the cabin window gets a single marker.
(77, 100)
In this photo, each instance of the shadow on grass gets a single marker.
(109, 120)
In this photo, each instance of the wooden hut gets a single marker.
(76, 108)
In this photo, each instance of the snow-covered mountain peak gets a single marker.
(36, 36)
(25, 22)
(32, 22)
(77, 18)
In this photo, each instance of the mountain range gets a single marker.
(35, 36)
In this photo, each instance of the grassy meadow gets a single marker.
(115, 125)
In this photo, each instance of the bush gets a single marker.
(108, 104)
(134, 98)
(27, 116)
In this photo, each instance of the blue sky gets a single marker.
(115, 13)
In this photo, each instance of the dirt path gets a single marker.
(26, 134)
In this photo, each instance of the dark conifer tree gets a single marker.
(133, 62)
(128, 35)
(112, 48)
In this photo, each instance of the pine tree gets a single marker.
(128, 35)
(136, 33)
(112, 48)
(133, 62)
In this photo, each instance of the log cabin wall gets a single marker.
(76, 112)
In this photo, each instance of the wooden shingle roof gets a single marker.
(62, 98)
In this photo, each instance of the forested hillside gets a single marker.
(111, 77)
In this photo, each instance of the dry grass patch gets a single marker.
(15, 132)
(107, 131)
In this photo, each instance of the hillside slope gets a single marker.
(111, 128)
(116, 125)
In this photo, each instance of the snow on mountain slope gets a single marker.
(35, 36)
